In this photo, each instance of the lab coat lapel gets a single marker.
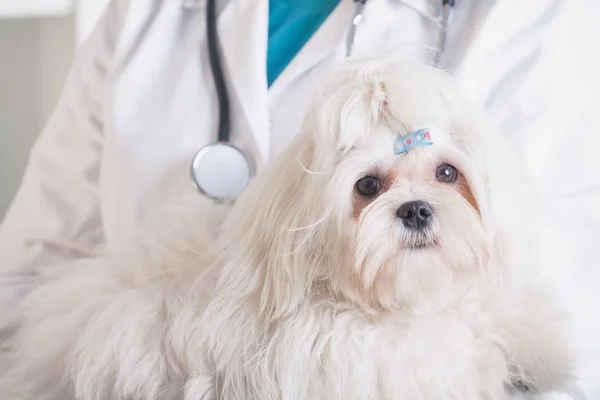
(243, 32)
(330, 37)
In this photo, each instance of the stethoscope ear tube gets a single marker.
(446, 7)
(358, 15)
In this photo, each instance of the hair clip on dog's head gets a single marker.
(420, 138)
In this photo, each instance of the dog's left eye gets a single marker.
(446, 173)
(367, 186)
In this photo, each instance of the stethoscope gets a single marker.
(221, 170)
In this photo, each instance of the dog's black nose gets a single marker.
(415, 214)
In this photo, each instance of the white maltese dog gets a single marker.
(384, 255)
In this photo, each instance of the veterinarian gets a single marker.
(141, 102)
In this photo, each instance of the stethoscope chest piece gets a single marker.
(221, 171)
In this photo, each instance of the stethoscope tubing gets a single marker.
(217, 71)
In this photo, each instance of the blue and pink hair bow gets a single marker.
(419, 138)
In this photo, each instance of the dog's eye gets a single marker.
(446, 173)
(367, 186)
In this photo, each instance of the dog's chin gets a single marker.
(421, 242)
(420, 246)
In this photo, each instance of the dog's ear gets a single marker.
(268, 234)
(500, 185)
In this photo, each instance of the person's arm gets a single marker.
(54, 217)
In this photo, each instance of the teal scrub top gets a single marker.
(291, 25)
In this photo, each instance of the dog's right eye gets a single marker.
(368, 186)
(446, 173)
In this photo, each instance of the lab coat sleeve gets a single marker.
(54, 217)
(536, 71)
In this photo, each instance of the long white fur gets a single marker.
(293, 297)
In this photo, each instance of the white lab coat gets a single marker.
(140, 102)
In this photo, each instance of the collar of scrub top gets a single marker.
(419, 138)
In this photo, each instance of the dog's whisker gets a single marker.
(305, 169)
(311, 226)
